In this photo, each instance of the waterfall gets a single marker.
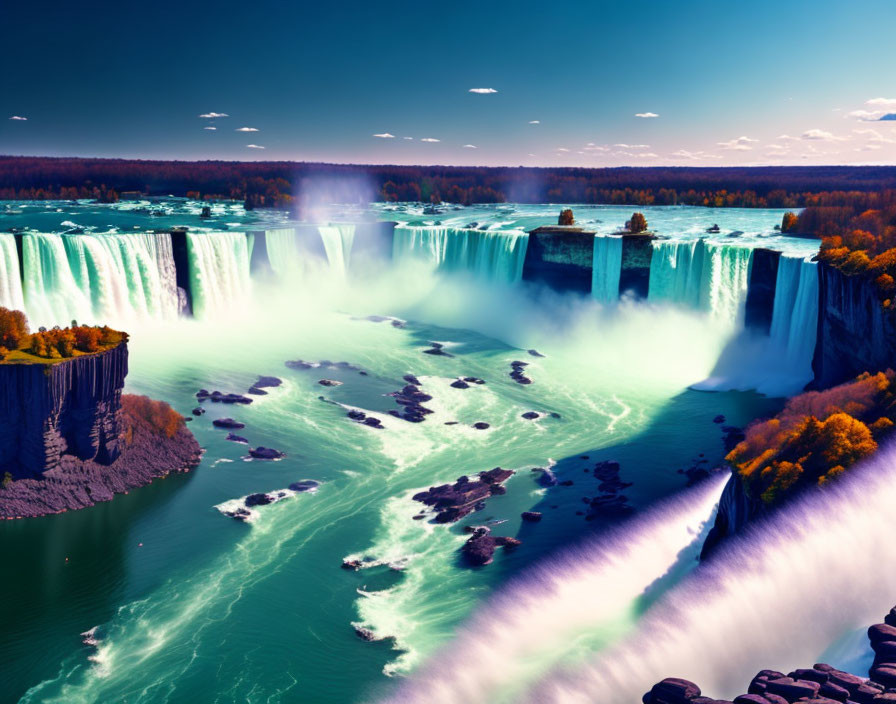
(99, 277)
(219, 271)
(795, 314)
(606, 268)
(10, 277)
(750, 607)
(493, 255)
(284, 254)
(565, 608)
(702, 275)
(338, 240)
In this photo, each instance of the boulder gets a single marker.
(481, 425)
(257, 500)
(672, 690)
(530, 415)
(304, 485)
(792, 689)
(228, 423)
(266, 453)
(236, 438)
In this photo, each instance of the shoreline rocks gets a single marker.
(819, 684)
(479, 550)
(452, 502)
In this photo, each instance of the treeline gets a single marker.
(858, 235)
(281, 184)
(54, 344)
(817, 437)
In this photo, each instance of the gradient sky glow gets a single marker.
(715, 83)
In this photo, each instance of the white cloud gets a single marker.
(592, 147)
(213, 115)
(483, 91)
(646, 114)
(534, 122)
(866, 115)
(647, 155)
(685, 154)
(739, 144)
(531, 155)
(430, 139)
(882, 102)
(408, 138)
(818, 135)
(384, 135)
(875, 136)
(247, 129)
(254, 146)
(562, 149)
(632, 146)
(210, 128)
(870, 147)
(470, 146)
(787, 137)
(19, 118)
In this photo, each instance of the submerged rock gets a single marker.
(228, 423)
(437, 350)
(198, 411)
(531, 516)
(236, 438)
(304, 485)
(329, 382)
(535, 353)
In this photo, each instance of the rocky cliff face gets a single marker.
(855, 333)
(736, 509)
(69, 408)
(760, 304)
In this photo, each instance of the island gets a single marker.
(69, 438)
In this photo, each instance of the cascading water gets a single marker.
(338, 240)
(702, 275)
(606, 268)
(795, 317)
(565, 609)
(219, 271)
(10, 278)
(792, 591)
(490, 254)
(99, 277)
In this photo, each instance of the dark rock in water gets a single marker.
(450, 422)
(398, 324)
(546, 476)
(554, 415)
(266, 453)
(474, 380)
(236, 438)
(365, 634)
(531, 516)
(219, 397)
(481, 426)
(530, 415)
(454, 501)
(437, 349)
(258, 500)
(329, 382)
(411, 379)
(268, 382)
(460, 384)
(535, 353)
(299, 364)
(672, 690)
(239, 514)
(256, 391)
(479, 550)
(228, 423)
(372, 422)
(356, 415)
(516, 372)
(351, 564)
(304, 485)
(198, 411)
(719, 419)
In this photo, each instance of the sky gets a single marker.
(586, 83)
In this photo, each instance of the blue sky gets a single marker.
(730, 83)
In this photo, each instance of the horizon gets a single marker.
(352, 85)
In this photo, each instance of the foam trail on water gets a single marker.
(490, 254)
(606, 268)
(564, 608)
(814, 575)
(10, 278)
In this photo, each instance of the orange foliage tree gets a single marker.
(638, 223)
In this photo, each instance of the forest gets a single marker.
(281, 183)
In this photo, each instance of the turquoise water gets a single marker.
(194, 606)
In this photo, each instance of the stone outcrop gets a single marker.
(560, 257)
(72, 407)
(736, 509)
(855, 333)
(760, 302)
(819, 684)
(637, 252)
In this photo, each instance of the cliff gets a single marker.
(760, 303)
(560, 257)
(71, 407)
(736, 509)
(855, 333)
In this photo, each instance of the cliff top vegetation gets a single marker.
(858, 236)
(816, 437)
(20, 346)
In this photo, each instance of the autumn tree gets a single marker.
(566, 217)
(638, 223)
(13, 328)
(789, 222)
